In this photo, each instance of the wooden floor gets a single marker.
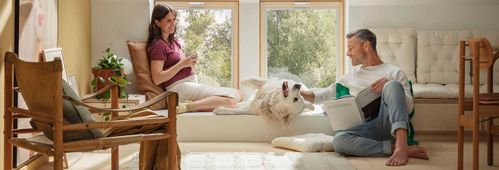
(442, 150)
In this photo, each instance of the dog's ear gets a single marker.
(309, 106)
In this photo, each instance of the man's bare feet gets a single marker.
(401, 155)
(415, 151)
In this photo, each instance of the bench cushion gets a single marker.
(448, 91)
(437, 56)
(397, 47)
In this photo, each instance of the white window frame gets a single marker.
(234, 6)
(339, 5)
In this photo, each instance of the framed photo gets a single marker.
(50, 54)
(72, 82)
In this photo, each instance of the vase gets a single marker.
(105, 74)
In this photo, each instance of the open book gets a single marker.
(349, 111)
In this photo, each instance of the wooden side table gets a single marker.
(133, 99)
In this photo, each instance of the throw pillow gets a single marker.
(142, 70)
(311, 142)
(72, 114)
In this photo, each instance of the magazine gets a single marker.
(349, 111)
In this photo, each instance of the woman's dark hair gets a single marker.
(159, 12)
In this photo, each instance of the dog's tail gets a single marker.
(254, 82)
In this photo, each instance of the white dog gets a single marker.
(273, 100)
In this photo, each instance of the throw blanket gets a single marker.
(153, 154)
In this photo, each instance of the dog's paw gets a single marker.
(254, 82)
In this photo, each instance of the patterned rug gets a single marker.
(260, 161)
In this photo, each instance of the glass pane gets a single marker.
(208, 32)
(302, 45)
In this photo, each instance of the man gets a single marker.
(374, 138)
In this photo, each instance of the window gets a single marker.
(302, 41)
(210, 29)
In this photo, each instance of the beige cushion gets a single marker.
(447, 91)
(142, 71)
(311, 142)
(437, 56)
(397, 46)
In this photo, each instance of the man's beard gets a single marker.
(355, 62)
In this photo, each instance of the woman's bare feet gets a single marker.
(400, 155)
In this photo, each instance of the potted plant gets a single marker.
(109, 69)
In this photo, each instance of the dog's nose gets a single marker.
(297, 86)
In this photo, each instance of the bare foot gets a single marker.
(415, 151)
(400, 157)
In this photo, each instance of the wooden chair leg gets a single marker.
(58, 163)
(476, 143)
(7, 159)
(460, 147)
(490, 142)
(115, 158)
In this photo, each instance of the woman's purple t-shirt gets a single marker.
(171, 54)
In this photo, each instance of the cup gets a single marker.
(192, 55)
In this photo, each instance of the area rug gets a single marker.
(260, 160)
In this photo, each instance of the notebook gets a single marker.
(349, 111)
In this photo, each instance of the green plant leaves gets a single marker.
(107, 116)
(115, 63)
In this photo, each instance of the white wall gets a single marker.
(425, 14)
(116, 21)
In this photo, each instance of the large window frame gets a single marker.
(317, 4)
(220, 4)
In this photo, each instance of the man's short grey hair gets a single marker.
(364, 35)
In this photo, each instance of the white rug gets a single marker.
(260, 161)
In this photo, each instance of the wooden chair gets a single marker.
(483, 105)
(39, 83)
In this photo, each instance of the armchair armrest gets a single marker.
(168, 94)
(92, 95)
(115, 123)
